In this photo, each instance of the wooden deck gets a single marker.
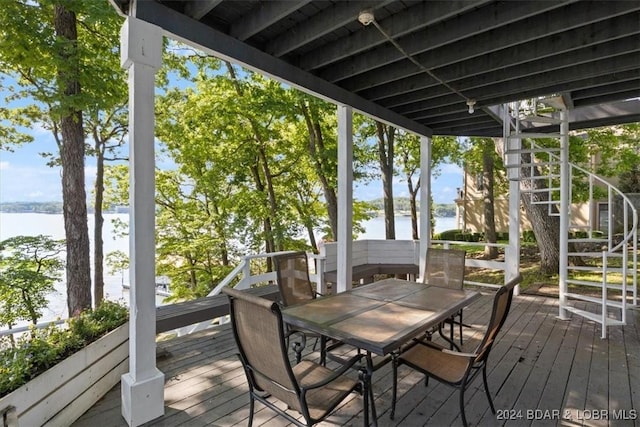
(543, 371)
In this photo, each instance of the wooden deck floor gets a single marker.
(540, 368)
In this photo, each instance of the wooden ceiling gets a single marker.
(420, 62)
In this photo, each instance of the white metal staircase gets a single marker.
(600, 289)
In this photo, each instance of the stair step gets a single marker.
(528, 165)
(533, 150)
(541, 119)
(595, 254)
(597, 270)
(610, 303)
(594, 316)
(548, 176)
(589, 240)
(546, 202)
(539, 190)
(521, 135)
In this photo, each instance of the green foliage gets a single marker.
(40, 349)
(29, 267)
(528, 236)
(447, 235)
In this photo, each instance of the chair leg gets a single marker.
(461, 343)
(251, 406)
(486, 388)
(394, 363)
(462, 414)
(365, 384)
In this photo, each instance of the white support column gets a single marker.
(565, 182)
(345, 198)
(512, 255)
(425, 200)
(143, 386)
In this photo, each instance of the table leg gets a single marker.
(374, 414)
(452, 343)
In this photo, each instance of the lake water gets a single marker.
(32, 224)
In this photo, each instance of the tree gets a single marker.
(29, 268)
(60, 57)
(443, 149)
(378, 142)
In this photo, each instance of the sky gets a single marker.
(25, 176)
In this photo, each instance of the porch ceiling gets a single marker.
(421, 61)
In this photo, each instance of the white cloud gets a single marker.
(5, 166)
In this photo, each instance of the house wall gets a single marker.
(470, 210)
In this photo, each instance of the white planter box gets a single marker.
(62, 394)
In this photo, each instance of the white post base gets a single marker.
(145, 397)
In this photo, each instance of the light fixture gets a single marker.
(366, 17)
(470, 104)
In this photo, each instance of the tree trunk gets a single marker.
(490, 252)
(386, 136)
(317, 151)
(72, 152)
(546, 228)
(98, 243)
(413, 193)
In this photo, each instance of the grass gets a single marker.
(533, 280)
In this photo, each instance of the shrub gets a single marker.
(449, 234)
(40, 349)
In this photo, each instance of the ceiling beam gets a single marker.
(405, 22)
(470, 26)
(264, 15)
(198, 9)
(558, 87)
(526, 73)
(199, 35)
(622, 31)
(328, 20)
(450, 103)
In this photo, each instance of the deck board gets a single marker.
(539, 362)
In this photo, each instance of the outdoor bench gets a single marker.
(178, 315)
(365, 272)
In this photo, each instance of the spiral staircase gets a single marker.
(598, 244)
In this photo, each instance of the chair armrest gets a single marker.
(338, 373)
(459, 353)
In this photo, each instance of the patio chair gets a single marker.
(292, 272)
(445, 267)
(308, 388)
(455, 368)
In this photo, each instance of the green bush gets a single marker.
(40, 349)
(449, 234)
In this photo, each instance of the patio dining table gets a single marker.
(380, 317)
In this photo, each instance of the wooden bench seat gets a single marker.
(367, 271)
(178, 315)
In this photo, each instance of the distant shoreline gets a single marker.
(52, 208)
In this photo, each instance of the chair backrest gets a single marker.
(292, 272)
(259, 333)
(501, 306)
(445, 267)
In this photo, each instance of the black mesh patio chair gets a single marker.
(455, 368)
(308, 388)
(294, 284)
(445, 267)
